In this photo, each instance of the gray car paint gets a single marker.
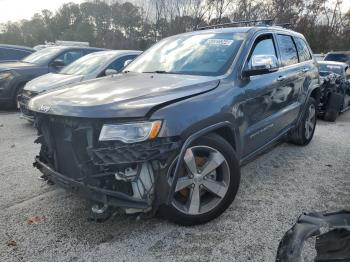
(51, 81)
(249, 104)
(123, 95)
(251, 112)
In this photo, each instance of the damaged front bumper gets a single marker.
(108, 197)
(133, 177)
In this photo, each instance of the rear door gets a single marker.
(291, 78)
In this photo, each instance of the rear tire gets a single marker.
(223, 180)
(331, 115)
(304, 132)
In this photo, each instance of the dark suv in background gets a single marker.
(14, 75)
(338, 56)
(14, 52)
(169, 133)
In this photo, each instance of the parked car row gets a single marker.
(14, 75)
(94, 65)
(168, 134)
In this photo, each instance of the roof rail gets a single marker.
(267, 22)
(283, 25)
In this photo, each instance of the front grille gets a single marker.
(75, 151)
(65, 144)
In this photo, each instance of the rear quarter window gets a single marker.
(289, 55)
(303, 50)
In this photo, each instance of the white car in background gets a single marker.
(91, 66)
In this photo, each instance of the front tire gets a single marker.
(207, 184)
(304, 132)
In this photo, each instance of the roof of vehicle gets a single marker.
(243, 29)
(333, 63)
(17, 47)
(76, 47)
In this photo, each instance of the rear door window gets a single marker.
(303, 50)
(289, 55)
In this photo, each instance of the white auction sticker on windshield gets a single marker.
(220, 42)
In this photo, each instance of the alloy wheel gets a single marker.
(204, 181)
(310, 121)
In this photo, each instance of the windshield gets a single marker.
(86, 65)
(42, 56)
(327, 69)
(337, 57)
(203, 54)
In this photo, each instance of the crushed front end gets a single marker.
(130, 176)
(333, 89)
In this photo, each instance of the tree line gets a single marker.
(137, 25)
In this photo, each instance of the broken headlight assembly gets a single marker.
(130, 132)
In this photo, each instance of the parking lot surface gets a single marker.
(39, 222)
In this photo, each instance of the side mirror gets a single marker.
(109, 72)
(127, 62)
(261, 64)
(57, 63)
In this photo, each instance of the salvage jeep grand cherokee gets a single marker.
(168, 135)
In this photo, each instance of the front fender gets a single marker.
(187, 117)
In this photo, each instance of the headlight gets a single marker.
(5, 75)
(130, 132)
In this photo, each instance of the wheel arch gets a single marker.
(314, 93)
(228, 134)
(225, 129)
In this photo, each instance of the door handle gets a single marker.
(306, 69)
(281, 78)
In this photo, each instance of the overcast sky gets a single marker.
(15, 10)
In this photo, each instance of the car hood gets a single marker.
(123, 95)
(51, 81)
(15, 65)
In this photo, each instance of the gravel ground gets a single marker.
(39, 222)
